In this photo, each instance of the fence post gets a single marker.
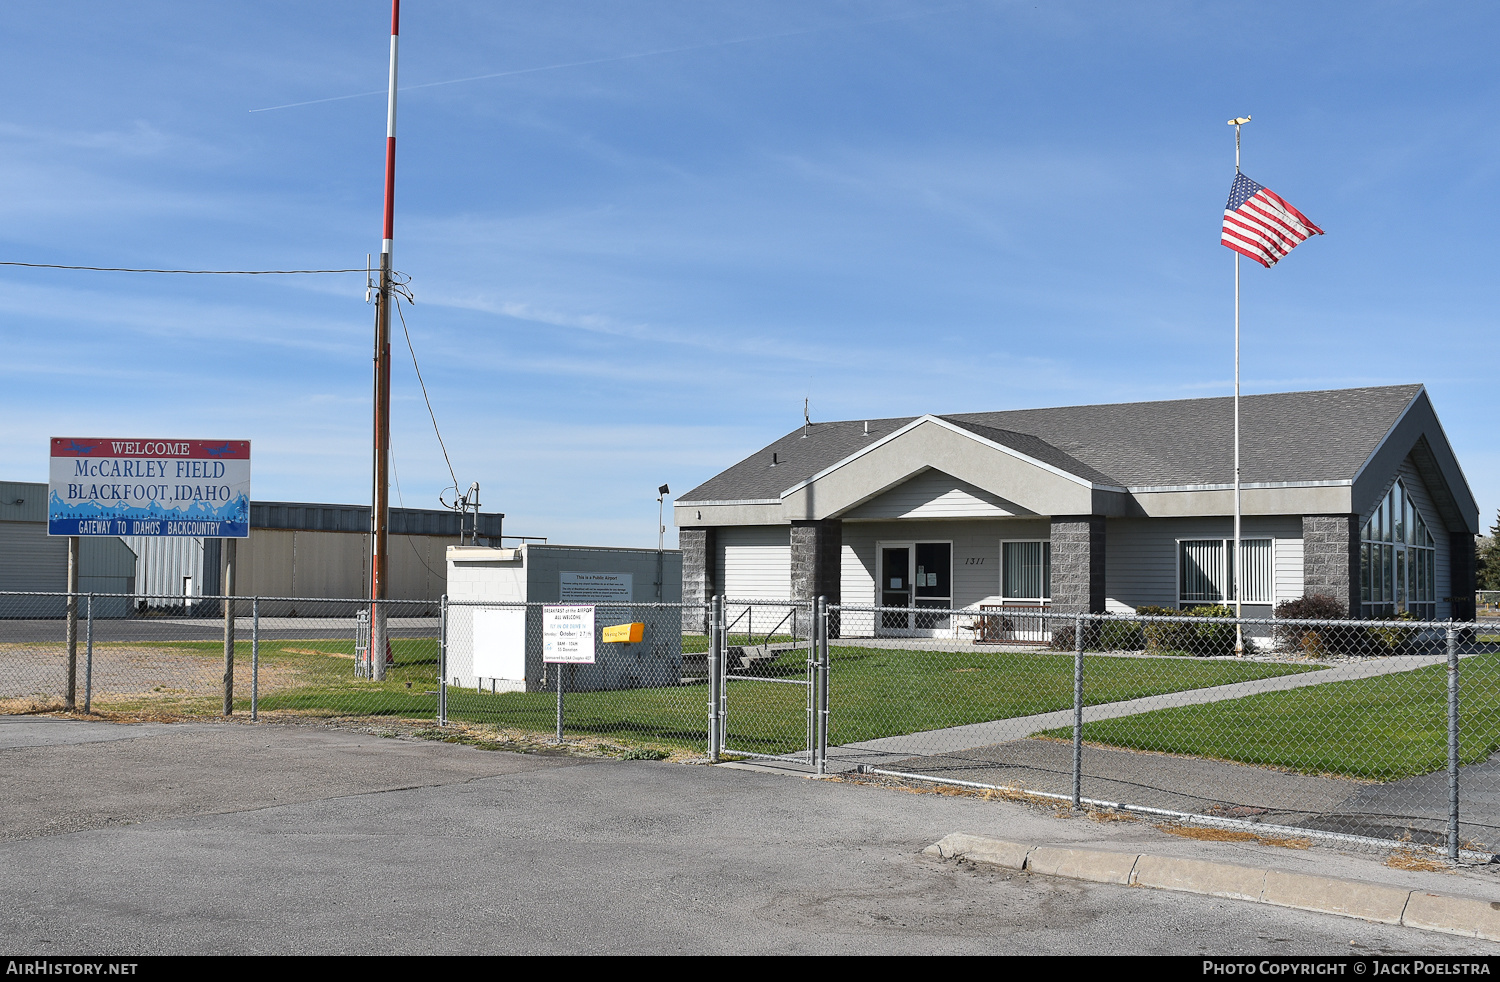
(715, 627)
(229, 612)
(1452, 742)
(442, 706)
(88, 664)
(723, 707)
(255, 659)
(1078, 623)
(557, 670)
(810, 673)
(821, 631)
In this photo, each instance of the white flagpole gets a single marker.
(1236, 559)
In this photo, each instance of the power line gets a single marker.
(397, 296)
(194, 272)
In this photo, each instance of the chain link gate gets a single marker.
(766, 696)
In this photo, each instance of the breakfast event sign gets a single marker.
(199, 488)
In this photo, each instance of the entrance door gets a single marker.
(933, 582)
(895, 586)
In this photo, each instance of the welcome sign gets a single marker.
(198, 488)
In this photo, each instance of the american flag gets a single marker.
(1259, 224)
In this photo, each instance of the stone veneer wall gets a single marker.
(1330, 558)
(1078, 564)
(699, 548)
(817, 549)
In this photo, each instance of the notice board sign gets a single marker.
(568, 634)
(599, 588)
(101, 486)
(500, 643)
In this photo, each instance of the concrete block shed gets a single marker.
(495, 642)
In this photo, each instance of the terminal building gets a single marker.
(1350, 493)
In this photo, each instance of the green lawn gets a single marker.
(879, 692)
(1382, 729)
(875, 692)
(698, 643)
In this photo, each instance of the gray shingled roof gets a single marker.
(1286, 437)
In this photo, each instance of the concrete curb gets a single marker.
(1322, 894)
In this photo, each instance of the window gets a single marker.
(1204, 577)
(1397, 559)
(1026, 571)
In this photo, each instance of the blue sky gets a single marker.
(633, 270)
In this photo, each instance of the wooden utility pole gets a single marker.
(380, 519)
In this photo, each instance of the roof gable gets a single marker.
(935, 494)
(931, 442)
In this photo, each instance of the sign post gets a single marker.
(567, 639)
(72, 623)
(167, 488)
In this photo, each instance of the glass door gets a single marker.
(934, 585)
(895, 586)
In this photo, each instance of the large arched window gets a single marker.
(1397, 560)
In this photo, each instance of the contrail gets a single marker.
(609, 60)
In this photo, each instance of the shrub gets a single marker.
(1315, 641)
(1202, 640)
(1160, 637)
(1205, 640)
(1121, 636)
(1062, 638)
(1313, 607)
(1389, 640)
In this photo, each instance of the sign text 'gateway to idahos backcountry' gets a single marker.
(197, 488)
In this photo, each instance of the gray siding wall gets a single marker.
(1140, 557)
(933, 494)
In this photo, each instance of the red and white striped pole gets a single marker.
(390, 136)
(380, 518)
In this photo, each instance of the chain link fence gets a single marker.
(163, 658)
(179, 657)
(1371, 730)
(647, 687)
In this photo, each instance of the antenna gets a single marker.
(806, 419)
(463, 504)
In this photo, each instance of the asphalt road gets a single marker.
(276, 838)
